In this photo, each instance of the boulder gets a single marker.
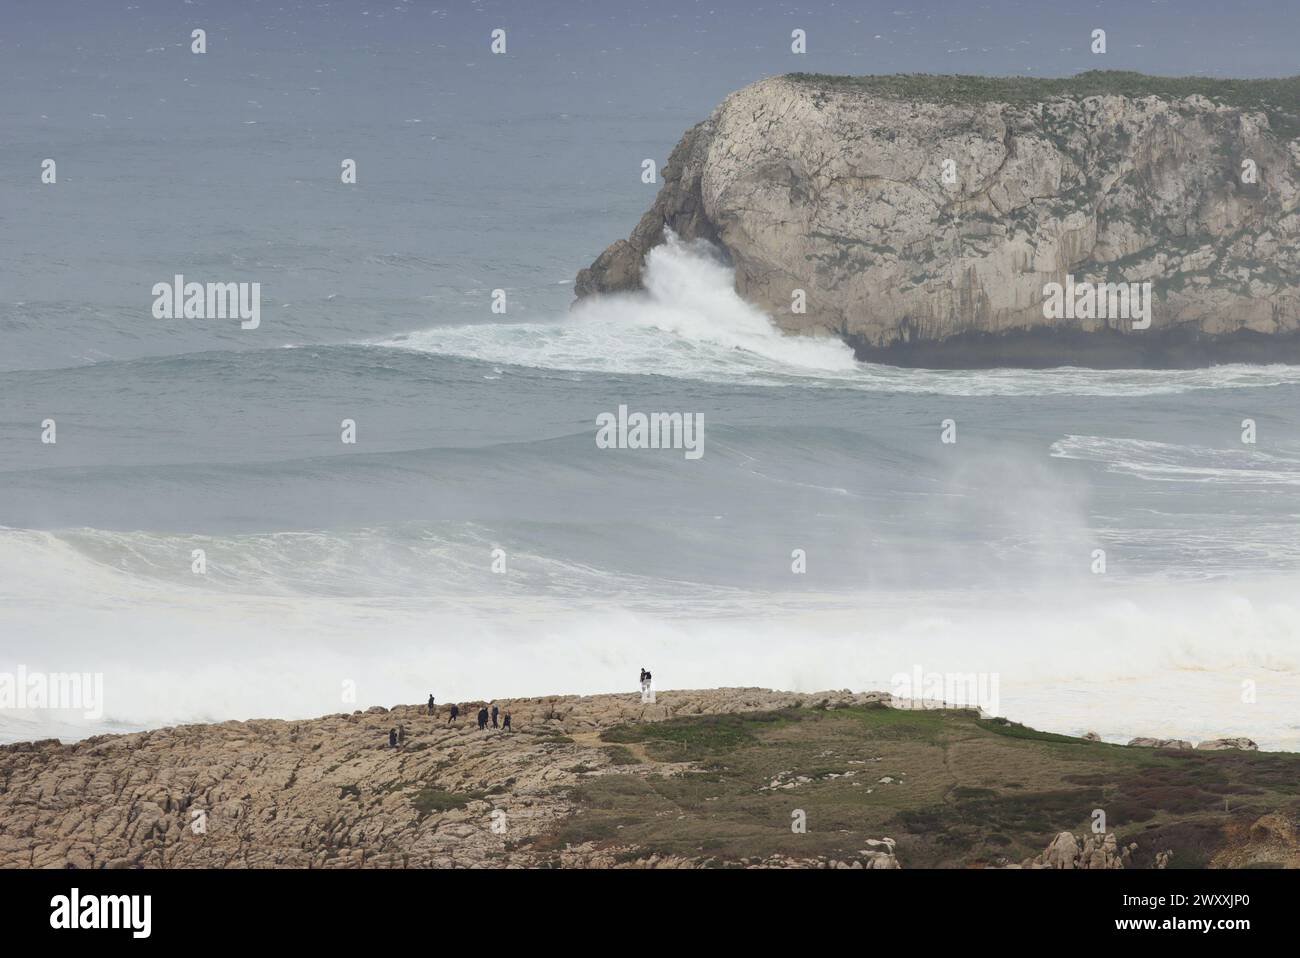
(1159, 743)
(1217, 744)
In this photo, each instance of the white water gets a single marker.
(1170, 462)
(1151, 660)
(689, 323)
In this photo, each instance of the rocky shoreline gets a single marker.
(607, 781)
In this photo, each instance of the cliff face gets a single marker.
(925, 218)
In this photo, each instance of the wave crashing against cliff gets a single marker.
(685, 320)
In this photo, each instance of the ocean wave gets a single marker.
(445, 560)
(1171, 462)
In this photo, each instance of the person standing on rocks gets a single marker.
(454, 714)
(506, 721)
(495, 713)
(482, 718)
(392, 738)
(430, 703)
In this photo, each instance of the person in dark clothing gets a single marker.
(495, 712)
(392, 738)
(482, 718)
(454, 714)
(430, 703)
(506, 721)
(643, 675)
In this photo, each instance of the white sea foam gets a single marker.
(689, 322)
(1169, 462)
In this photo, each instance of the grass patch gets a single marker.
(1015, 730)
(693, 739)
(620, 755)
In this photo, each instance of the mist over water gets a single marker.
(371, 563)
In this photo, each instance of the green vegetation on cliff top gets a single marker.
(1278, 98)
(953, 789)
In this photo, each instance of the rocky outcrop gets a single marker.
(1209, 745)
(679, 206)
(331, 793)
(1091, 851)
(1218, 744)
(1159, 743)
(1271, 841)
(923, 219)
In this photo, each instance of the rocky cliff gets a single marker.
(925, 218)
(735, 777)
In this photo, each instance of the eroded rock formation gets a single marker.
(924, 217)
(330, 793)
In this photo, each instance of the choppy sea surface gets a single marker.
(370, 565)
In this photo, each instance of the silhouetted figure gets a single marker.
(454, 714)
(430, 703)
(506, 721)
(482, 718)
(495, 712)
(392, 738)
